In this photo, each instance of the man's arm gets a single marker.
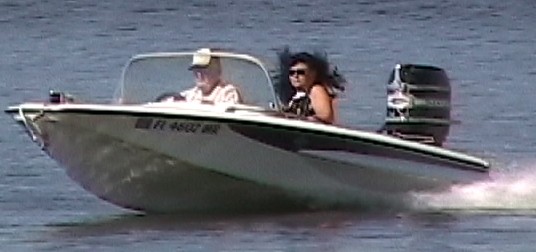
(230, 94)
(170, 96)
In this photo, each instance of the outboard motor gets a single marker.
(418, 104)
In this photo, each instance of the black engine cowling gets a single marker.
(418, 104)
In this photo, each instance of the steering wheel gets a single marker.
(175, 95)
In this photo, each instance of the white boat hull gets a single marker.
(139, 161)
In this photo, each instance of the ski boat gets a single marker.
(167, 157)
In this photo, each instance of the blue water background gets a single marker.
(487, 48)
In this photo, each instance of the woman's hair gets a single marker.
(318, 61)
(312, 62)
(320, 65)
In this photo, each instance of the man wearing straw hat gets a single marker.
(209, 87)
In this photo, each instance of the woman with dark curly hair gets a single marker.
(315, 97)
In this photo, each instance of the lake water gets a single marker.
(487, 47)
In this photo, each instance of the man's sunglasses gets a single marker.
(203, 71)
(298, 72)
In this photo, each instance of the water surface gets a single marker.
(487, 48)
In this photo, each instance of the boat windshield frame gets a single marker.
(121, 92)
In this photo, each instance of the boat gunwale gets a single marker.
(476, 163)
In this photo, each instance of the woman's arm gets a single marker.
(322, 104)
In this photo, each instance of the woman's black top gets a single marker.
(300, 103)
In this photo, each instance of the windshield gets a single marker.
(146, 77)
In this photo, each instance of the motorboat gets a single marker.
(140, 153)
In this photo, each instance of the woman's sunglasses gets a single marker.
(297, 71)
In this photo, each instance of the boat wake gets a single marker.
(512, 189)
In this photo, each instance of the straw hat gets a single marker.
(201, 58)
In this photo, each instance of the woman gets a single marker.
(315, 97)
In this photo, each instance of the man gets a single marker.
(209, 87)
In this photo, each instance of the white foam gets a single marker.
(509, 189)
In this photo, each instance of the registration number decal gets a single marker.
(177, 126)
